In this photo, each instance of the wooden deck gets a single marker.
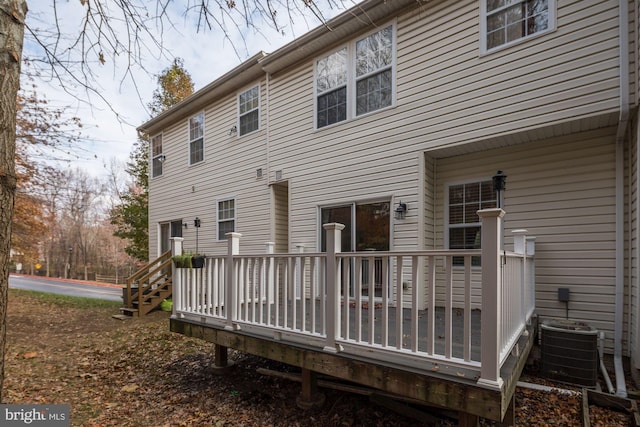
(438, 331)
(446, 388)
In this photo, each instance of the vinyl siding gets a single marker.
(563, 192)
(228, 171)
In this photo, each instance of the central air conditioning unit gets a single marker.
(569, 352)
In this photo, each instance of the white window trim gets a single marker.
(235, 215)
(259, 107)
(161, 135)
(447, 225)
(190, 140)
(351, 77)
(483, 28)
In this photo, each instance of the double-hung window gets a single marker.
(331, 87)
(356, 79)
(506, 21)
(463, 222)
(196, 138)
(157, 157)
(249, 110)
(226, 217)
(374, 62)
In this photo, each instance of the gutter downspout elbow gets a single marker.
(623, 40)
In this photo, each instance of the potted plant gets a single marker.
(188, 260)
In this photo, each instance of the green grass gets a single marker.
(65, 300)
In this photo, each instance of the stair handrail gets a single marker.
(144, 273)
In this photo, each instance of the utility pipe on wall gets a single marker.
(623, 45)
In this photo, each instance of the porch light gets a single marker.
(233, 130)
(499, 185)
(401, 210)
(196, 224)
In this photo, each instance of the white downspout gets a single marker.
(623, 16)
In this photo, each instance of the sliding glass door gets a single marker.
(367, 228)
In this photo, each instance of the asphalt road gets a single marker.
(65, 287)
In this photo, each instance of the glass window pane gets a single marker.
(249, 122)
(341, 215)
(470, 213)
(374, 52)
(488, 192)
(510, 20)
(456, 238)
(456, 214)
(196, 124)
(157, 167)
(456, 193)
(225, 227)
(332, 107)
(372, 226)
(472, 238)
(196, 151)
(331, 71)
(472, 192)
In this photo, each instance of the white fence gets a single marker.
(396, 307)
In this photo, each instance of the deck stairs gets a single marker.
(148, 287)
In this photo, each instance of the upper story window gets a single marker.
(196, 138)
(226, 217)
(249, 110)
(157, 157)
(463, 222)
(374, 62)
(506, 21)
(356, 79)
(331, 87)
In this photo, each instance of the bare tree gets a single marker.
(127, 28)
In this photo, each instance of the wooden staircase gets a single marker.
(148, 287)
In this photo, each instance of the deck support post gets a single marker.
(231, 287)
(510, 416)
(310, 397)
(334, 245)
(221, 356)
(491, 220)
(467, 420)
(221, 363)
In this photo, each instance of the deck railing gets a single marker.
(428, 310)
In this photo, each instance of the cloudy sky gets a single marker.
(126, 87)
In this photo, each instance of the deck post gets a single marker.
(310, 396)
(231, 288)
(334, 245)
(176, 249)
(491, 220)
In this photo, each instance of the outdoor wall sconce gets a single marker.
(196, 222)
(233, 130)
(401, 211)
(184, 224)
(162, 158)
(499, 185)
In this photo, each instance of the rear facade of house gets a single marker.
(416, 105)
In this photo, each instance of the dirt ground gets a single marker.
(137, 373)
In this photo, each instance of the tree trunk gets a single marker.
(12, 15)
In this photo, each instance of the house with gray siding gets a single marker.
(393, 119)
